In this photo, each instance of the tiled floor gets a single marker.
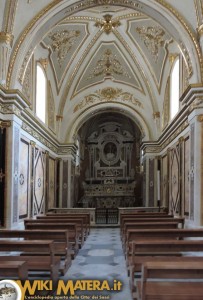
(102, 258)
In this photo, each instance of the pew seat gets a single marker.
(13, 269)
(175, 280)
(49, 261)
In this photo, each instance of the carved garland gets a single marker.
(106, 95)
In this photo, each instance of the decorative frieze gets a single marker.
(10, 109)
(38, 136)
(108, 94)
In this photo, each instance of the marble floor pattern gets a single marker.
(102, 258)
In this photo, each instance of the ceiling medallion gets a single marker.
(108, 24)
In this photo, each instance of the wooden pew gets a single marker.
(145, 220)
(62, 246)
(48, 262)
(143, 215)
(135, 269)
(73, 232)
(159, 281)
(13, 269)
(152, 225)
(81, 221)
(159, 247)
(85, 216)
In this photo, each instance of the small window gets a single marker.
(41, 94)
(174, 89)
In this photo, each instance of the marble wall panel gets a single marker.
(16, 173)
(65, 184)
(23, 186)
(51, 184)
(151, 182)
(192, 161)
(186, 182)
(39, 181)
(164, 181)
(174, 180)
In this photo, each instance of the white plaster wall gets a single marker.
(186, 8)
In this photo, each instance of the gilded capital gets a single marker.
(200, 118)
(4, 124)
(172, 57)
(33, 144)
(156, 115)
(59, 117)
(44, 62)
(6, 38)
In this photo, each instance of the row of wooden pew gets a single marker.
(48, 243)
(164, 259)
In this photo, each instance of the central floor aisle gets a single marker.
(102, 258)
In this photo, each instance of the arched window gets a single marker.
(174, 88)
(41, 94)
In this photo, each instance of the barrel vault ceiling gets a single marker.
(106, 58)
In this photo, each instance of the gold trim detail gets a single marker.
(33, 144)
(59, 118)
(108, 65)
(153, 38)
(5, 124)
(44, 62)
(156, 115)
(24, 35)
(108, 24)
(108, 94)
(172, 57)
(200, 118)
(62, 42)
(187, 28)
(6, 38)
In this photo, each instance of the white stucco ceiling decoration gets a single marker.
(153, 41)
(108, 94)
(63, 43)
(107, 62)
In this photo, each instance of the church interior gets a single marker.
(101, 122)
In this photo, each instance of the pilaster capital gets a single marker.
(33, 144)
(6, 38)
(4, 124)
(59, 118)
(200, 118)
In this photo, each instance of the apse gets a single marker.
(109, 167)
